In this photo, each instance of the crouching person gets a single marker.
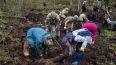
(69, 22)
(52, 24)
(64, 12)
(36, 37)
(82, 18)
(93, 28)
(81, 38)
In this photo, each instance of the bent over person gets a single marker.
(64, 12)
(82, 18)
(80, 37)
(37, 37)
(52, 24)
(69, 22)
(93, 28)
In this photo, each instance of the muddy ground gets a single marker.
(97, 54)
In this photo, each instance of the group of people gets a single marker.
(39, 37)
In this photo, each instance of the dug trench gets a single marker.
(96, 54)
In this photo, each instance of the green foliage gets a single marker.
(3, 55)
(109, 33)
(0, 12)
(1, 20)
(112, 47)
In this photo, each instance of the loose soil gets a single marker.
(96, 54)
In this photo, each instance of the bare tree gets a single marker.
(79, 4)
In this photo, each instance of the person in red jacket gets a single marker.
(93, 28)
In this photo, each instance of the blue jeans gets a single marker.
(78, 46)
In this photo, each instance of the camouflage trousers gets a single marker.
(69, 27)
(54, 31)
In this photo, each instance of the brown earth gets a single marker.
(96, 54)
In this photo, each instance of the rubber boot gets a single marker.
(32, 53)
(79, 56)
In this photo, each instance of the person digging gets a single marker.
(93, 28)
(82, 18)
(37, 37)
(52, 24)
(64, 12)
(69, 22)
(80, 37)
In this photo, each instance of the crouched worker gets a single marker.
(69, 22)
(112, 24)
(36, 37)
(81, 38)
(93, 28)
(64, 12)
(52, 24)
(82, 18)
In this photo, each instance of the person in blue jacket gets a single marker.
(36, 37)
(80, 37)
(95, 12)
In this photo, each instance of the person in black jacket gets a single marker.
(83, 7)
(95, 11)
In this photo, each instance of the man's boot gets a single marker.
(79, 56)
(32, 53)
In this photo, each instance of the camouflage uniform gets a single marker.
(69, 24)
(82, 18)
(53, 25)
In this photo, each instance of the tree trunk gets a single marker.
(71, 3)
(102, 3)
(52, 60)
(61, 56)
(79, 4)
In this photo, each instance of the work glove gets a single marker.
(64, 27)
(41, 55)
(81, 49)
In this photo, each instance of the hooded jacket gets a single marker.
(93, 28)
(81, 35)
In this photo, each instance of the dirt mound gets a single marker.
(36, 18)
